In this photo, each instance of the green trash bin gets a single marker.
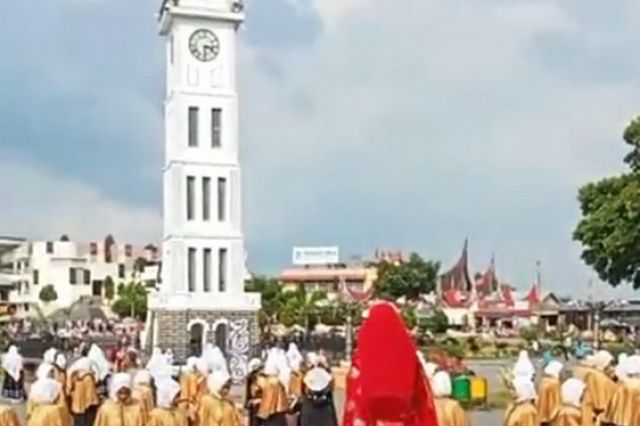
(461, 388)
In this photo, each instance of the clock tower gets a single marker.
(201, 298)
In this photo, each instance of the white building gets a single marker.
(202, 295)
(75, 270)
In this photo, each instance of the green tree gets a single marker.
(48, 294)
(109, 288)
(409, 279)
(131, 301)
(271, 290)
(436, 323)
(609, 229)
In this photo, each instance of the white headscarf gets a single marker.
(166, 392)
(216, 360)
(118, 382)
(284, 371)
(12, 362)
(202, 366)
(317, 379)
(254, 364)
(524, 388)
(632, 366)
(621, 367)
(49, 355)
(430, 369)
(571, 392)
(61, 361)
(441, 384)
(271, 367)
(294, 357)
(603, 359)
(157, 359)
(313, 359)
(142, 377)
(81, 364)
(192, 362)
(168, 355)
(217, 380)
(99, 362)
(523, 367)
(44, 371)
(553, 369)
(44, 391)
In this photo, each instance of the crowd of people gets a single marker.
(281, 387)
(389, 384)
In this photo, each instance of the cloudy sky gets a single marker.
(408, 124)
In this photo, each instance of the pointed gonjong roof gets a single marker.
(457, 277)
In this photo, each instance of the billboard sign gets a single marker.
(308, 256)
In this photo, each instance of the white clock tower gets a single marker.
(201, 298)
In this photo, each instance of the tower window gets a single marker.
(193, 126)
(207, 270)
(191, 198)
(216, 120)
(206, 198)
(36, 277)
(222, 199)
(222, 269)
(121, 271)
(191, 266)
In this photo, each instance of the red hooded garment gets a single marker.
(386, 385)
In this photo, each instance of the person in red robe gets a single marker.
(386, 385)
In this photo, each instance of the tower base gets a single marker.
(186, 328)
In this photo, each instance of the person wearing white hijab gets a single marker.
(570, 412)
(44, 371)
(600, 387)
(44, 410)
(296, 376)
(549, 400)
(523, 366)
(294, 357)
(50, 355)
(216, 360)
(82, 392)
(13, 384)
(448, 411)
(254, 368)
(143, 392)
(120, 409)
(270, 392)
(167, 413)
(620, 369)
(626, 396)
(101, 367)
(215, 407)
(523, 411)
(317, 406)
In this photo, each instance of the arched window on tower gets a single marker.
(196, 339)
(221, 337)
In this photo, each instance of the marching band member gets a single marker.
(317, 402)
(271, 394)
(622, 409)
(8, 417)
(215, 408)
(46, 411)
(448, 410)
(549, 395)
(167, 412)
(142, 391)
(600, 387)
(571, 411)
(522, 411)
(13, 384)
(120, 409)
(82, 392)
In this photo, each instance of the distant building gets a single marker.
(348, 280)
(483, 301)
(75, 270)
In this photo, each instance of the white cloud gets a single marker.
(332, 10)
(41, 205)
(419, 125)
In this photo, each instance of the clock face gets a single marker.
(204, 45)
